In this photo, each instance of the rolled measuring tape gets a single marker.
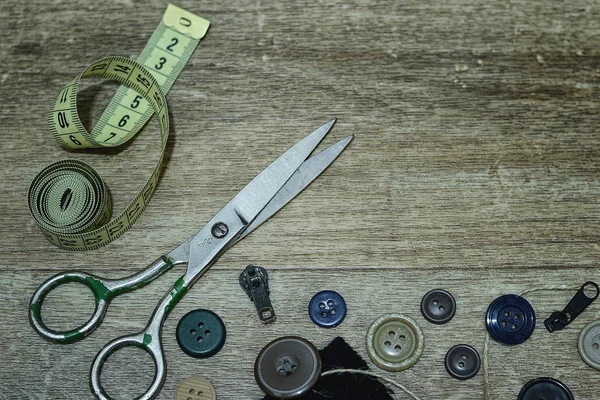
(68, 200)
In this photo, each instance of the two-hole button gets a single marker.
(462, 362)
(438, 306)
(195, 388)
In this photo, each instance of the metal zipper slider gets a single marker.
(559, 319)
(255, 282)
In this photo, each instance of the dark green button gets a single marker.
(201, 333)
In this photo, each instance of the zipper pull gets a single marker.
(559, 319)
(255, 281)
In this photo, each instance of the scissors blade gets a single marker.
(250, 201)
(304, 176)
(253, 198)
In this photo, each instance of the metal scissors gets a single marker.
(264, 196)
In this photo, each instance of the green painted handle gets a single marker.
(104, 291)
(102, 294)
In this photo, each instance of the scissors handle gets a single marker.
(104, 291)
(149, 339)
(145, 340)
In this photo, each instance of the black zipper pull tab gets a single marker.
(255, 281)
(559, 319)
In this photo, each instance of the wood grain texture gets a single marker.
(475, 168)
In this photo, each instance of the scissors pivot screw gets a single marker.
(255, 282)
(220, 230)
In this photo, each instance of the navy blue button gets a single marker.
(327, 309)
(510, 319)
(545, 388)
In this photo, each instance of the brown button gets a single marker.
(195, 388)
(287, 367)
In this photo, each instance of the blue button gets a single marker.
(545, 388)
(327, 309)
(510, 319)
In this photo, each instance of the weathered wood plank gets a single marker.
(475, 168)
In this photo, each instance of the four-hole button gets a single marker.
(201, 333)
(510, 319)
(327, 309)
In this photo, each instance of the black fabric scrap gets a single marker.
(347, 386)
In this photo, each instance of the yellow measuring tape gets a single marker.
(67, 199)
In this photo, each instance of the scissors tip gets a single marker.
(340, 146)
(346, 141)
(327, 126)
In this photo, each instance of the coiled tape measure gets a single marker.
(67, 199)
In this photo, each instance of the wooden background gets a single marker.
(475, 168)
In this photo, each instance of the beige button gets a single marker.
(195, 388)
(394, 342)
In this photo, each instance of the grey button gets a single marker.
(438, 306)
(462, 362)
(589, 344)
(288, 367)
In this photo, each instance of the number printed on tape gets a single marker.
(144, 85)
